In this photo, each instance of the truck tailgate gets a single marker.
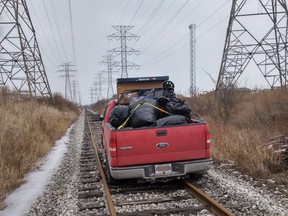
(160, 145)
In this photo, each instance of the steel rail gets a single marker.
(206, 200)
(102, 174)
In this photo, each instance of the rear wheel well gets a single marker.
(109, 178)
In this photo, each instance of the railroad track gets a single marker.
(128, 197)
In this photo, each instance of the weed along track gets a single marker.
(131, 197)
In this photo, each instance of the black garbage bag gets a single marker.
(144, 114)
(118, 115)
(169, 93)
(171, 120)
(178, 107)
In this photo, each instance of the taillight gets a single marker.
(113, 147)
(208, 137)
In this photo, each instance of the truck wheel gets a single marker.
(109, 178)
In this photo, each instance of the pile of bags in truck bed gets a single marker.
(148, 109)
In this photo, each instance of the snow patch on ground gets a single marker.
(20, 201)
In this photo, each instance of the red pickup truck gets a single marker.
(157, 152)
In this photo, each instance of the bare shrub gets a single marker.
(245, 148)
(204, 104)
(60, 103)
(100, 106)
(226, 100)
(4, 93)
(263, 109)
(250, 118)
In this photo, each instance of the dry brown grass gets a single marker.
(242, 134)
(28, 131)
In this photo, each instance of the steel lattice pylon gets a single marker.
(110, 69)
(257, 32)
(66, 68)
(123, 35)
(21, 63)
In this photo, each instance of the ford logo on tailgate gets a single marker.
(162, 145)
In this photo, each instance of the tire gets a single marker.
(110, 180)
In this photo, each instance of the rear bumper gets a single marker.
(178, 169)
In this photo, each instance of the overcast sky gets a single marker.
(163, 27)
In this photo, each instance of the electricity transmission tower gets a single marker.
(257, 32)
(123, 35)
(79, 97)
(67, 70)
(110, 65)
(21, 63)
(92, 94)
(97, 90)
(192, 28)
(74, 90)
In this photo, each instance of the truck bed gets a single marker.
(140, 146)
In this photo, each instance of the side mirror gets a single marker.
(96, 117)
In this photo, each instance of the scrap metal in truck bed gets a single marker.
(154, 152)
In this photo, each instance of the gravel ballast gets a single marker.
(234, 189)
(61, 196)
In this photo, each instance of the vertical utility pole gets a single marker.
(193, 90)
(110, 65)
(21, 64)
(123, 35)
(259, 37)
(67, 70)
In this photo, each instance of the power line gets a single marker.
(44, 36)
(181, 39)
(147, 64)
(213, 13)
(200, 36)
(154, 61)
(157, 34)
(167, 9)
(58, 28)
(144, 27)
(173, 28)
(178, 23)
(72, 33)
(124, 11)
(50, 75)
(136, 12)
(151, 17)
(54, 38)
